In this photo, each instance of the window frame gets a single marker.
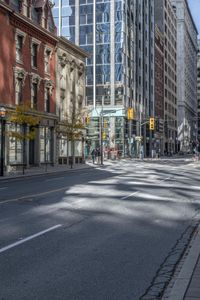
(35, 44)
(22, 35)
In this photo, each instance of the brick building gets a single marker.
(27, 72)
(30, 66)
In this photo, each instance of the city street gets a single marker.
(110, 232)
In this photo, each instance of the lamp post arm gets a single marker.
(144, 123)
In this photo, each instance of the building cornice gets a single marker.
(65, 44)
(188, 8)
(27, 25)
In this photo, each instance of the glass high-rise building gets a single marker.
(119, 35)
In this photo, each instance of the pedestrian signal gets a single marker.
(151, 123)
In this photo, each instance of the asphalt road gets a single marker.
(103, 233)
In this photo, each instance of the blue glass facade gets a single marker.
(118, 34)
(67, 18)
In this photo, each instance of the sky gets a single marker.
(195, 10)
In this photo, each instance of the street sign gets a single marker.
(138, 138)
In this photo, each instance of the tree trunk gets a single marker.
(72, 153)
(24, 149)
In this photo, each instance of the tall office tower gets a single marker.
(144, 71)
(198, 92)
(186, 75)
(119, 35)
(165, 19)
(159, 90)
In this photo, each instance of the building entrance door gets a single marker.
(31, 152)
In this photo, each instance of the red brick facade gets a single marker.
(7, 58)
(28, 76)
(10, 24)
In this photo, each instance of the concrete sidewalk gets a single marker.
(44, 170)
(48, 169)
(186, 285)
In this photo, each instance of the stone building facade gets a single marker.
(165, 18)
(186, 75)
(70, 85)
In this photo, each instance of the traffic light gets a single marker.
(157, 125)
(131, 113)
(104, 136)
(105, 123)
(87, 119)
(151, 123)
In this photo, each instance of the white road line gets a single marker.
(32, 196)
(29, 238)
(139, 191)
(3, 188)
(129, 195)
(57, 178)
(165, 179)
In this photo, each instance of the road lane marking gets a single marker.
(57, 178)
(29, 238)
(32, 196)
(3, 188)
(125, 197)
(165, 179)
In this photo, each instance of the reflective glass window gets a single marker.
(118, 52)
(56, 12)
(103, 33)
(118, 72)
(103, 54)
(82, 19)
(56, 3)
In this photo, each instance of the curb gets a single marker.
(182, 282)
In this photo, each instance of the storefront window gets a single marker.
(45, 144)
(15, 146)
(62, 147)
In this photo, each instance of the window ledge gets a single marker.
(19, 62)
(34, 68)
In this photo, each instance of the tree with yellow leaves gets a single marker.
(24, 116)
(72, 127)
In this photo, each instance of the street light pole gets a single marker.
(101, 135)
(101, 129)
(2, 115)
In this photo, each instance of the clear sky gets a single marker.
(195, 10)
